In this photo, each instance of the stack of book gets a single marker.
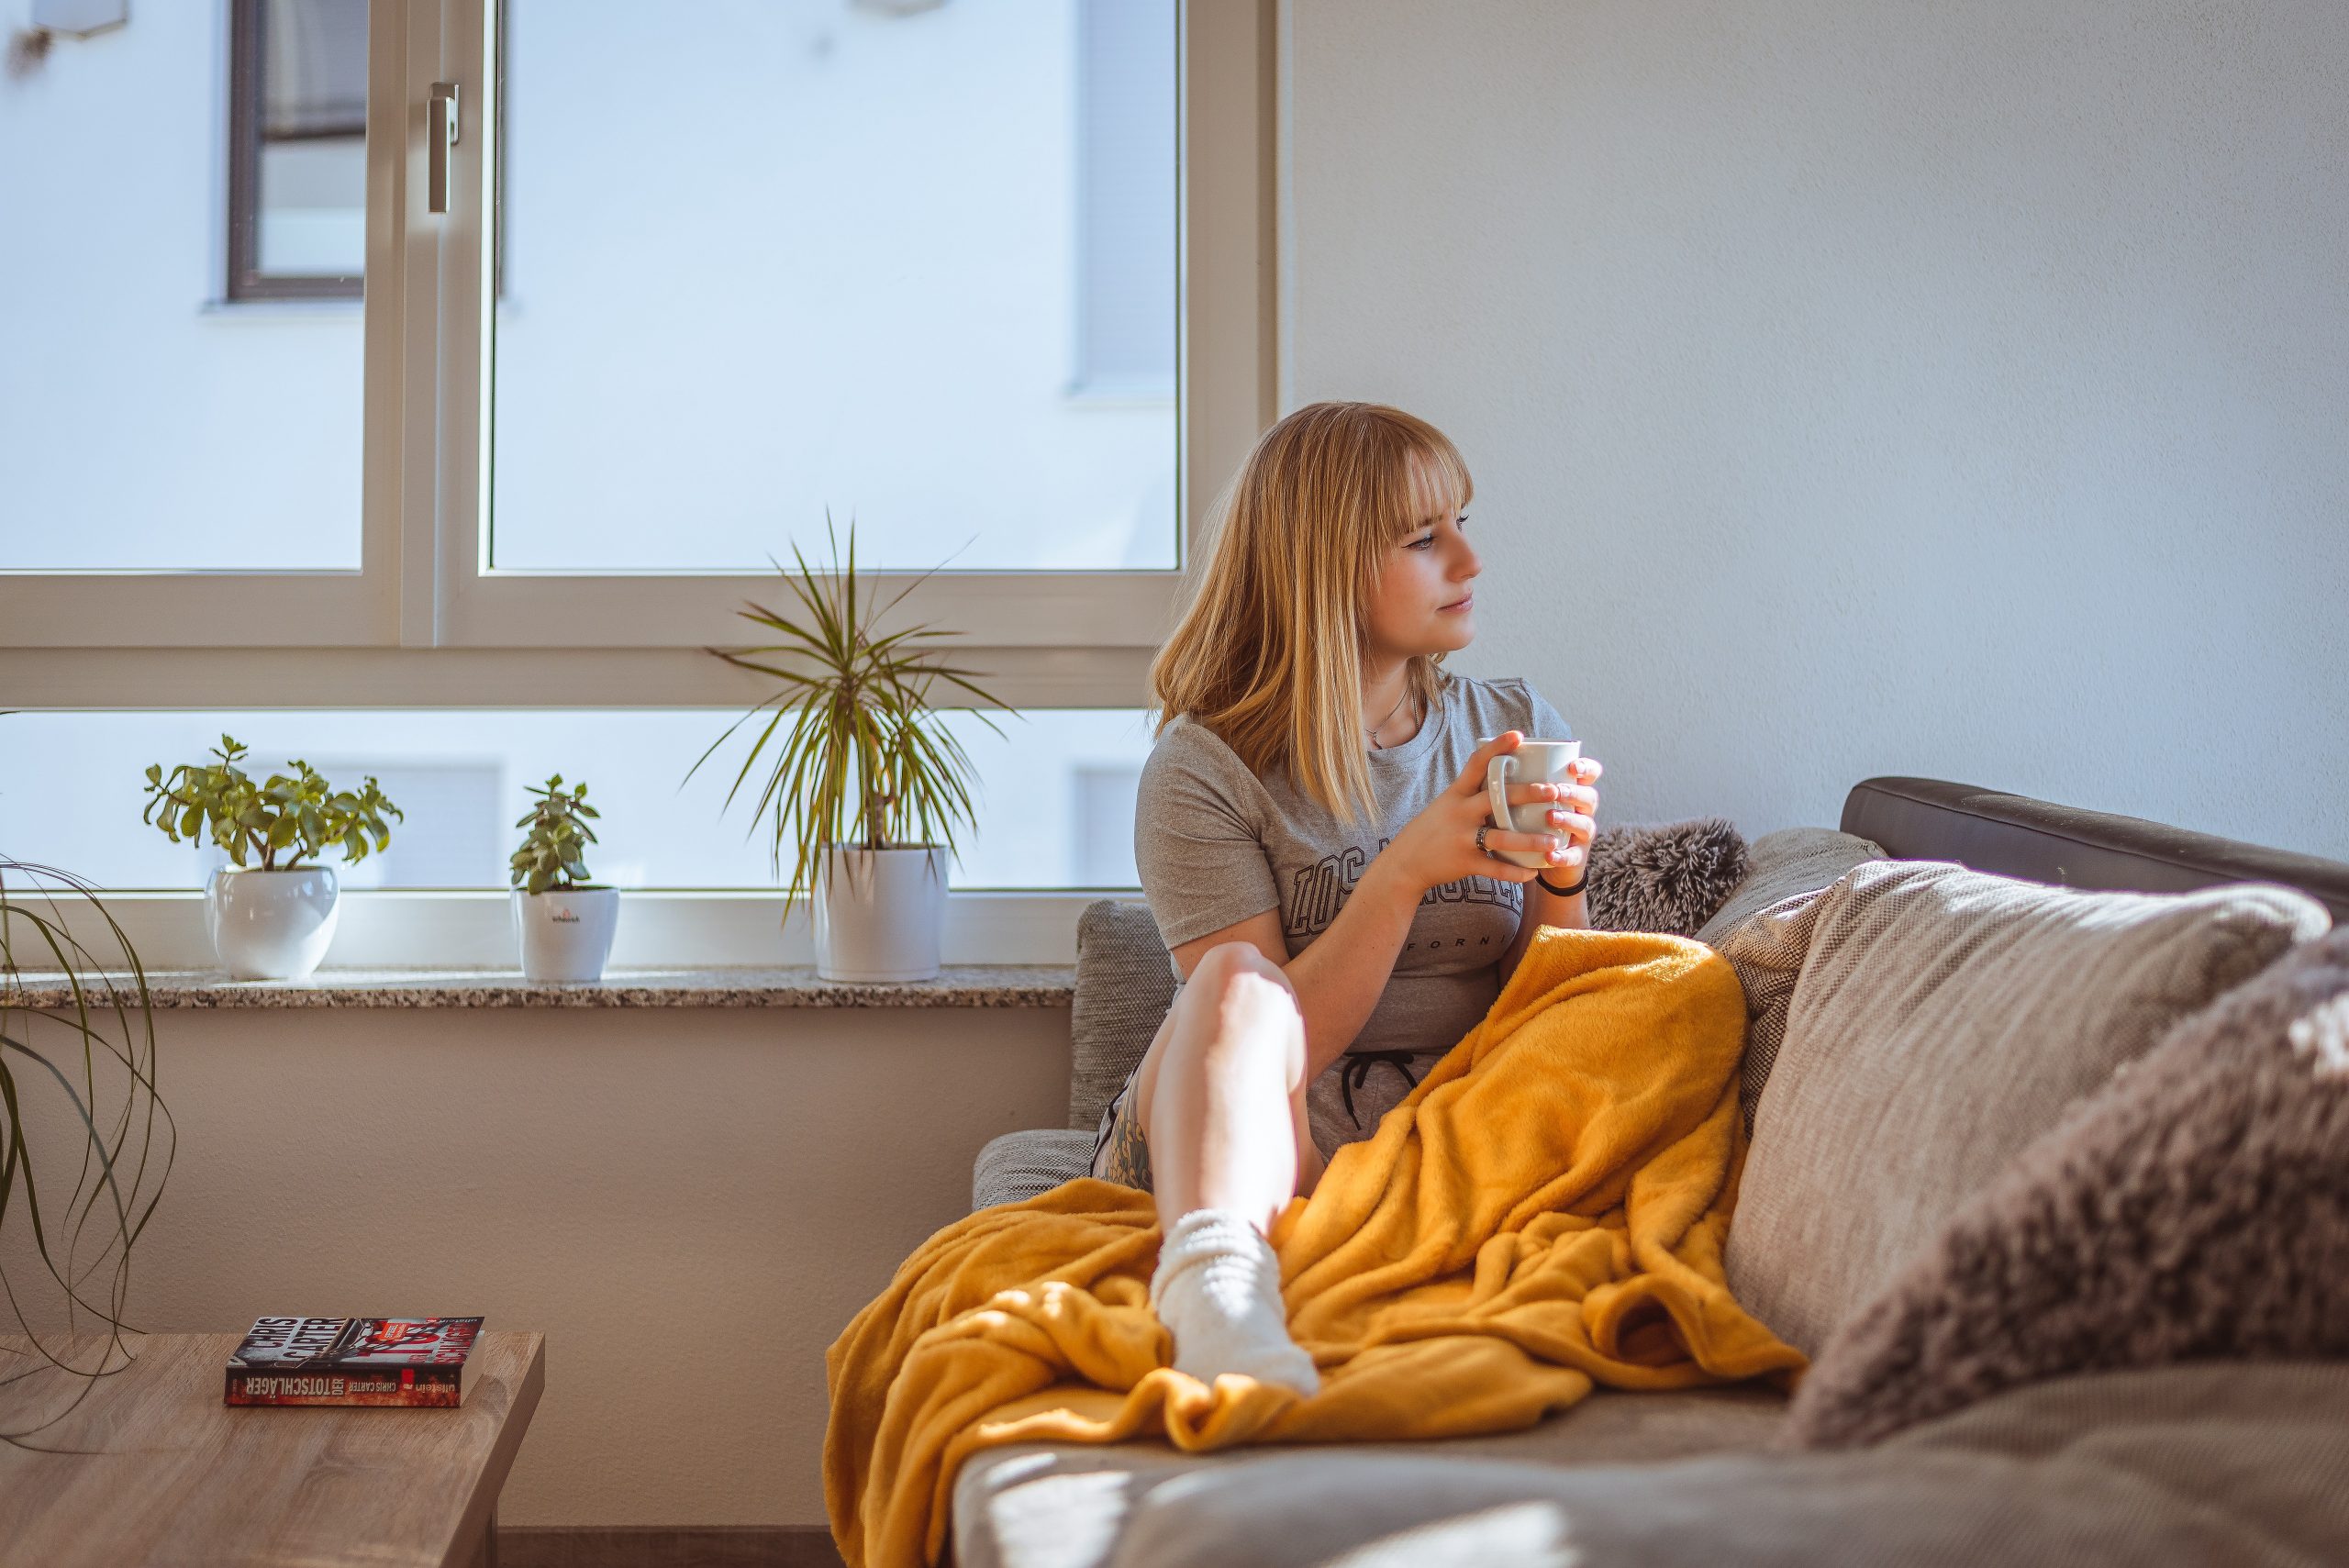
(353, 1361)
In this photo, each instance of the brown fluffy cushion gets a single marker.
(1666, 878)
(2196, 1207)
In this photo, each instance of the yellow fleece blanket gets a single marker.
(1544, 1213)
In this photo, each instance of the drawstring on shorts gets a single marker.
(1357, 1070)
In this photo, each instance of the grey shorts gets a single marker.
(1342, 1105)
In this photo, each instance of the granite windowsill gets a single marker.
(957, 985)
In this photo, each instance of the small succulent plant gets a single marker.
(274, 824)
(554, 853)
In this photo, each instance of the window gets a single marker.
(1055, 792)
(297, 149)
(1125, 336)
(1102, 842)
(150, 440)
(992, 280)
(860, 295)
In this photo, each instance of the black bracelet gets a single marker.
(1561, 892)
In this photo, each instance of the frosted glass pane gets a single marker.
(144, 426)
(314, 206)
(913, 265)
(1055, 793)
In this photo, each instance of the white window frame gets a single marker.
(420, 624)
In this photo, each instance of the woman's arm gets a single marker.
(1542, 910)
(1340, 977)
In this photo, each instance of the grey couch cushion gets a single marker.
(1781, 864)
(1124, 983)
(1790, 864)
(2195, 1209)
(1039, 1506)
(1943, 1020)
(2216, 1463)
(1021, 1164)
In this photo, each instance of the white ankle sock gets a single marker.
(1217, 1290)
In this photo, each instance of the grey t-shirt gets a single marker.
(1217, 844)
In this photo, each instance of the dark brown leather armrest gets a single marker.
(2013, 835)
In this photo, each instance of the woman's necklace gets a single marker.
(1383, 723)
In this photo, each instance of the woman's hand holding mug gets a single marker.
(1557, 774)
(1439, 845)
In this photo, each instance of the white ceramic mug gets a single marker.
(1533, 761)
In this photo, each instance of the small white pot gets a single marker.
(566, 932)
(272, 924)
(880, 914)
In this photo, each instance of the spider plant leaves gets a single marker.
(848, 747)
(110, 1020)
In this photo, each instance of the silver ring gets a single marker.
(1483, 828)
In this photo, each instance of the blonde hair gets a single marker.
(1268, 652)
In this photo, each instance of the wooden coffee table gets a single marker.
(180, 1478)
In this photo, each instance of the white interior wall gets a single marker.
(689, 1203)
(1952, 390)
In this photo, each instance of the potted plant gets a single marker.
(867, 784)
(269, 916)
(565, 922)
(64, 1004)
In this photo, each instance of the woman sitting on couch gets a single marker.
(1318, 774)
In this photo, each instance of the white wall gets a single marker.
(1955, 390)
(690, 1204)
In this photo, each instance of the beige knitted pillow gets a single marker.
(1761, 931)
(1942, 1019)
(1781, 865)
(2196, 1208)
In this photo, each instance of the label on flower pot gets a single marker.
(566, 932)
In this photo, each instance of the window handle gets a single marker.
(440, 135)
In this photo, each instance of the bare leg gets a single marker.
(1221, 1097)
(1221, 1092)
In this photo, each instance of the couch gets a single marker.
(2237, 1461)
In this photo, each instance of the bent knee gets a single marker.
(1237, 981)
(1227, 964)
(1255, 1010)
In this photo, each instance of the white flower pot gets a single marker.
(880, 914)
(566, 933)
(272, 924)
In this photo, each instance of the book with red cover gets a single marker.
(353, 1360)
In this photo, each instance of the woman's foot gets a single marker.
(1217, 1290)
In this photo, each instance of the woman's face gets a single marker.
(1421, 603)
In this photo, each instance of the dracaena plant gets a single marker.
(554, 855)
(860, 758)
(274, 824)
(76, 1030)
